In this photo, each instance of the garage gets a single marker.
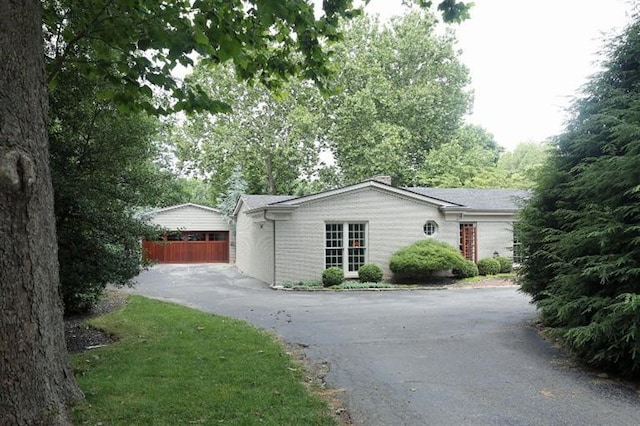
(192, 234)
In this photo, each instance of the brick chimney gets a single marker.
(386, 179)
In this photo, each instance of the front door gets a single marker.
(469, 241)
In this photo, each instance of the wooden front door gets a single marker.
(469, 241)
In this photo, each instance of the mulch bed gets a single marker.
(80, 336)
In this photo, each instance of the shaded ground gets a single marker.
(79, 336)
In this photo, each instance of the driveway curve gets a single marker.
(448, 357)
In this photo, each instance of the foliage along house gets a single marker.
(290, 239)
(194, 234)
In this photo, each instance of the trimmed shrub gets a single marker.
(423, 258)
(370, 273)
(506, 264)
(332, 276)
(488, 266)
(467, 270)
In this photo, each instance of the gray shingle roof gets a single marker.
(257, 201)
(477, 199)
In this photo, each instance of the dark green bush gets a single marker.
(579, 230)
(488, 266)
(423, 258)
(610, 339)
(370, 273)
(506, 264)
(467, 270)
(332, 276)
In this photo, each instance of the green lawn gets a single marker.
(478, 278)
(174, 365)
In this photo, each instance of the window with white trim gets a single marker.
(354, 240)
(430, 228)
(333, 245)
(516, 250)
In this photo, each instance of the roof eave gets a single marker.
(368, 184)
(480, 212)
(274, 208)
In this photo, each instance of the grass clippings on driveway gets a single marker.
(174, 365)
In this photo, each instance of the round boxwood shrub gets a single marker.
(467, 270)
(506, 265)
(332, 276)
(423, 258)
(488, 266)
(370, 273)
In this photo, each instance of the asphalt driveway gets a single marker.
(448, 357)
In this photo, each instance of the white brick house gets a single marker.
(289, 239)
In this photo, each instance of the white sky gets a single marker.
(528, 58)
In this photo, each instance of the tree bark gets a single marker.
(271, 181)
(36, 383)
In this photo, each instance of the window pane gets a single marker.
(333, 245)
(356, 235)
(218, 236)
(430, 228)
(175, 236)
(356, 259)
(333, 257)
(195, 236)
(517, 250)
(357, 246)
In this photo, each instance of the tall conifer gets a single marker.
(581, 230)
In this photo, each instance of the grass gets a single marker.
(303, 285)
(353, 285)
(174, 365)
(504, 276)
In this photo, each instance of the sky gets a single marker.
(528, 59)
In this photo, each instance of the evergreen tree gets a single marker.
(236, 186)
(581, 230)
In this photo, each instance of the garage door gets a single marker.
(189, 247)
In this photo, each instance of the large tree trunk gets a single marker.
(271, 181)
(36, 383)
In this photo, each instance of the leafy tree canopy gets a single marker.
(520, 167)
(403, 92)
(473, 160)
(580, 231)
(273, 138)
(135, 44)
(468, 160)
